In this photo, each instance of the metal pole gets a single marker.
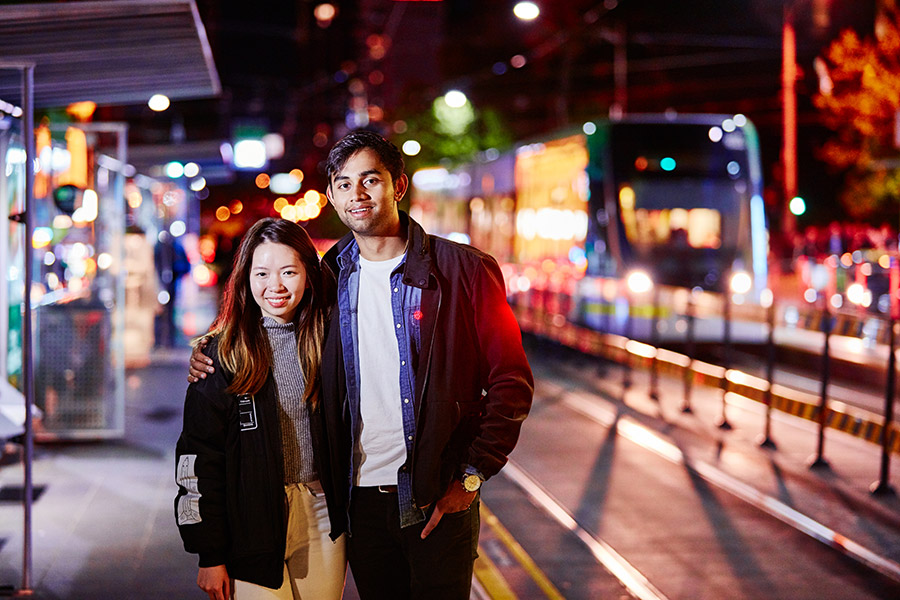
(654, 338)
(606, 309)
(626, 364)
(118, 277)
(818, 461)
(689, 350)
(4, 254)
(620, 74)
(726, 355)
(27, 337)
(883, 487)
(765, 439)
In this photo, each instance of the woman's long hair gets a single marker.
(243, 344)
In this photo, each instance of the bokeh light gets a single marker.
(158, 102)
(411, 147)
(191, 169)
(455, 99)
(527, 11)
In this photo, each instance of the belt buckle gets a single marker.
(387, 489)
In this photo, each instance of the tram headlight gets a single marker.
(859, 295)
(741, 282)
(639, 282)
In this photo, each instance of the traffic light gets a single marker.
(65, 197)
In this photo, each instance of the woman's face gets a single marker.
(277, 280)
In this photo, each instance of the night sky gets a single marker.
(282, 70)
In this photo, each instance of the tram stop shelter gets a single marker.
(108, 52)
(68, 327)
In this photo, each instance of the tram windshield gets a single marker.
(682, 194)
(686, 214)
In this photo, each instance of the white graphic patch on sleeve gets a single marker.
(189, 503)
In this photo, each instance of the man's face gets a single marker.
(365, 196)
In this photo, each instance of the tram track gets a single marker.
(635, 426)
(633, 580)
(650, 440)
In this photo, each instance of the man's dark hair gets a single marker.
(357, 140)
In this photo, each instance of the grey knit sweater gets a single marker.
(293, 413)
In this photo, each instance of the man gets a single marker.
(425, 384)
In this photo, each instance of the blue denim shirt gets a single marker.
(405, 306)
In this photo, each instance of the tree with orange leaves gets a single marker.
(859, 98)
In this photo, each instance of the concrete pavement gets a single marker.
(102, 523)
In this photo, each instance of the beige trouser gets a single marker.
(314, 566)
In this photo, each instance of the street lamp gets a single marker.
(526, 11)
(455, 99)
(158, 102)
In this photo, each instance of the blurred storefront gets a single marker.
(78, 280)
(12, 194)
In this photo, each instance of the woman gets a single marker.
(249, 500)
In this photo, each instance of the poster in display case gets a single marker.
(77, 287)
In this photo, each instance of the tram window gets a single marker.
(675, 228)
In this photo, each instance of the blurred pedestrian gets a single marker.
(248, 461)
(812, 246)
(836, 240)
(425, 384)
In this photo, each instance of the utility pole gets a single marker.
(789, 117)
(620, 72)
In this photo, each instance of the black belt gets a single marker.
(384, 489)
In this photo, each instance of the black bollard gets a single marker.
(883, 487)
(765, 439)
(726, 356)
(606, 309)
(654, 337)
(818, 461)
(626, 362)
(689, 350)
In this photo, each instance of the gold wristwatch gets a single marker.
(471, 482)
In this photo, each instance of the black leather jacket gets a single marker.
(473, 384)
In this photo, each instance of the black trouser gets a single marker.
(390, 562)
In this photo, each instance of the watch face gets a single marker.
(472, 483)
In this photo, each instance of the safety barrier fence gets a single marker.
(547, 319)
(848, 324)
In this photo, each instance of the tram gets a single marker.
(676, 198)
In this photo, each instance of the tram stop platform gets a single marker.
(103, 524)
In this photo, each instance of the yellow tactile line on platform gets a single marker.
(856, 422)
(520, 555)
(491, 580)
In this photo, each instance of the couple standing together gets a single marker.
(349, 410)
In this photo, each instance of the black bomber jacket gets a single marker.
(230, 506)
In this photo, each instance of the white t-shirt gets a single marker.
(381, 450)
